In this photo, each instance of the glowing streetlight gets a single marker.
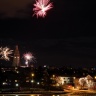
(32, 81)
(17, 85)
(38, 83)
(32, 74)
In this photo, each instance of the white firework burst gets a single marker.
(5, 53)
(28, 58)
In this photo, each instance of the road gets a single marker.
(81, 92)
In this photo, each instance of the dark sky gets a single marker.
(66, 36)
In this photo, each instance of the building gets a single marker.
(16, 58)
(61, 80)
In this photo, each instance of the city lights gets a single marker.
(17, 85)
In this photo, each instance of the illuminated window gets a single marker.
(15, 80)
(32, 81)
(38, 83)
(53, 76)
(27, 80)
(32, 74)
(17, 85)
(17, 71)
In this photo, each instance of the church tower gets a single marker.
(16, 58)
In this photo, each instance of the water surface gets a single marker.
(45, 95)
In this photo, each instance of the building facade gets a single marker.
(16, 58)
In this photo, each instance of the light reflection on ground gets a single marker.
(31, 95)
(70, 93)
(49, 95)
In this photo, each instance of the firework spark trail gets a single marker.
(5, 53)
(41, 7)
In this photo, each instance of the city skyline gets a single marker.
(77, 51)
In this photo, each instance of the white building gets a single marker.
(61, 80)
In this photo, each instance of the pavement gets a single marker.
(81, 92)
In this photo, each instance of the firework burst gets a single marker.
(28, 58)
(41, 7)
(5, 53)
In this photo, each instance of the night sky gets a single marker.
(65, 37)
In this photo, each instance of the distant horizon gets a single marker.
(57, 52)
(9, 64)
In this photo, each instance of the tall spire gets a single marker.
(16, 58)
(16, 47)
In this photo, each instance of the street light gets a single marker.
(17, 85)
(32, 81)
(32, 78)
(38, 83)
(32, 74)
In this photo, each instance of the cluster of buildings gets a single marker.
(48, 78)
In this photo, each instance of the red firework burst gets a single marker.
(41, 7)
